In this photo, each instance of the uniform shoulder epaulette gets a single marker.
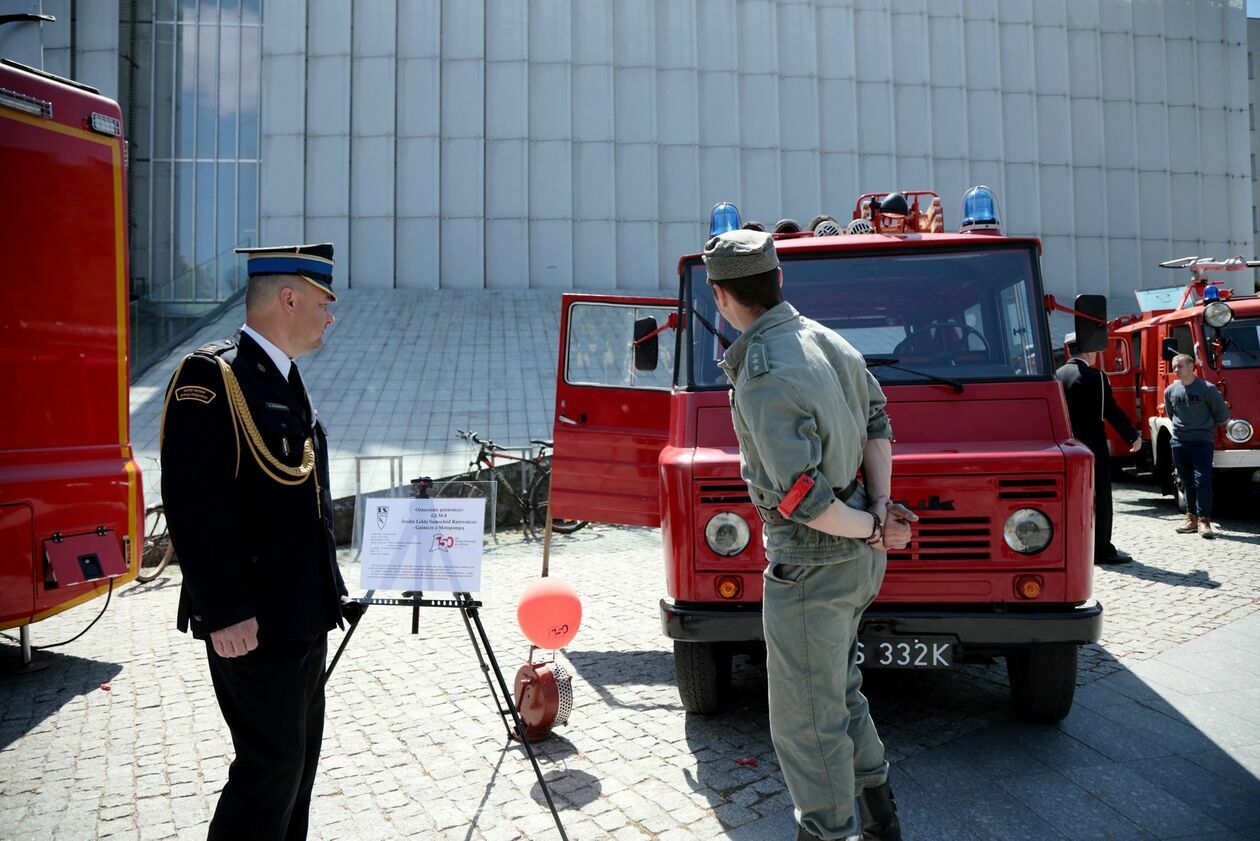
(218, 348)
(756, 359)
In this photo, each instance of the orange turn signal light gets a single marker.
(1028, 586)
(730, 587)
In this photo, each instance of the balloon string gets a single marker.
(546, 567)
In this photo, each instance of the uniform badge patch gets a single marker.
(756, 360)
(194, 392)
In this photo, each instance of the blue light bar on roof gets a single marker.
(724, 217)
(1211, 293)
(980, 211)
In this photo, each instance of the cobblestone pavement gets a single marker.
(120, 736)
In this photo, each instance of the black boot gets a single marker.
(879, 814)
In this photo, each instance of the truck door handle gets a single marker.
(570, 421)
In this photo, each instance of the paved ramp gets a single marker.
(399, 372)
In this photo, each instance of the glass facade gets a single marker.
(191, 95)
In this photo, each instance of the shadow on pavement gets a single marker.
(605, 670)
(167, 579)
(28, 699)
(1234, 511)
(1134, 759)
(569, 787)
(1147, 572)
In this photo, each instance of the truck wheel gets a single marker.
(1043, 681)
(1179, 493)
(1165, 473)
(704, 675)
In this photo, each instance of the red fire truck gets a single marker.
(70, 494)
(1221, 330)
(954, 326)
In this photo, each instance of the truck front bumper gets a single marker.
(1232, 459)
(974, 626)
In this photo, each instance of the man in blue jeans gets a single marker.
(1196, 409)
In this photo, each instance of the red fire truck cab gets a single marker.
(954, 326)
(1221, 330)
(70, 495)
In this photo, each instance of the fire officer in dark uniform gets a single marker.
(1090, 402)
(245, 485)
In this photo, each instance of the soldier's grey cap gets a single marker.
(739, 254)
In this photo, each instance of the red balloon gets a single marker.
(549, 613)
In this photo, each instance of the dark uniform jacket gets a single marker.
(1090, 402)
(248, 545)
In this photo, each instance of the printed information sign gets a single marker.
(422, 544)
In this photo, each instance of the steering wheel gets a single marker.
(965, 328)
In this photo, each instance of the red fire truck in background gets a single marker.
(1221, 331)
(954, 326)
(70, 494)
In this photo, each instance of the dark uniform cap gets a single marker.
(739, 254)
(313, 262)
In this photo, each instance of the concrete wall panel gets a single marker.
(592, 137)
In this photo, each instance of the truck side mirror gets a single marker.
(645, 352)
(1169, 348)
(1091, 335)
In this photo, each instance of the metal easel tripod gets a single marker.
(469, 609)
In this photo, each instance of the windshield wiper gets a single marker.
(1230, 343)
(891, 362)
(722, 340)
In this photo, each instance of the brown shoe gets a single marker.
(1205, 529)
(1190, 526)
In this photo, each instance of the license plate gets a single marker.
(905, 652)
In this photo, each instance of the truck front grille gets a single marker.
(948, 539)
(1046, 488)
(724, 494)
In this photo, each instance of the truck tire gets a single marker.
(1043, 681)
(703, 670)
(1179, 493)
(1164, 471)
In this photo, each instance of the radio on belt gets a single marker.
(795, 494)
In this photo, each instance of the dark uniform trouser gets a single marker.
(1103, 548)
(273, 703)
(820, 722)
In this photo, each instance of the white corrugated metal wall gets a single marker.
(580, 143)
(81, 44)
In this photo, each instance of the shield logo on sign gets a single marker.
(382, 516)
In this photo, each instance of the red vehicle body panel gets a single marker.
(1006, 461)
(608, 439)
(1139, 374)
(66, 463)
(997, 447)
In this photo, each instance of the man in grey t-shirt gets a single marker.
(1196, 409)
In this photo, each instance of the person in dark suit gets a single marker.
(1090, 402)
(245, 485)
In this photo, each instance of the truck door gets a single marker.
(611, 420)
(1118, 364)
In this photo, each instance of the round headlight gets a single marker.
(1217, 314)
(1238, 431)
(1028, 531)
(727, 534)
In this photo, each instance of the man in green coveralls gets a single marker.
(808, 416)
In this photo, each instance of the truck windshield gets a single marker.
(1241, 343)
(965, 315)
